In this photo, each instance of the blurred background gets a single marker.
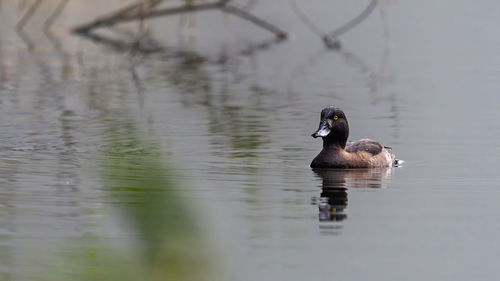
(176, 145)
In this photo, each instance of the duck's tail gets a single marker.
(398, 162)
(395, 162)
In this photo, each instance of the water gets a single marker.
(420, 77)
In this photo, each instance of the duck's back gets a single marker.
(378, 155)
(366, 145)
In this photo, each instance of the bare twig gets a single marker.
(27, 16)
(355, 21)
(305, 19)
(50, 20)
(57, 12)
(22, 22)
(128, 15)
(148, 4)
(255, 20)
(133, 7)
(249, 5)
(131, 13)
(114, 17)
(330, 39)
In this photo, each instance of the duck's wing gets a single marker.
(367, 145)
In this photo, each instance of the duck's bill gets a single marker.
(323, 130)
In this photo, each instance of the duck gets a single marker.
(338, 153)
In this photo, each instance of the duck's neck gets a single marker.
(333, 144)
(337, 138)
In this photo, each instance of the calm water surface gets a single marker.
(421, 77)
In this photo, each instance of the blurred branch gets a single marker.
(305, 19)
(255, 20)
(50, 20)
(27, 16)
(330, 39)
(249, 5)
(22, 22)
(132, 13)
(355, 21)
(57, 12)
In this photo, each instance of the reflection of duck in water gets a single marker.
(337, 153)
(333, 198)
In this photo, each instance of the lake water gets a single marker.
(233, 119)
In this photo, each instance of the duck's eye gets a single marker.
(335, 117)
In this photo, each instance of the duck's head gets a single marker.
(333, 126)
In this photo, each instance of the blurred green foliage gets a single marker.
(169, 243)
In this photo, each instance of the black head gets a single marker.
(333, 127)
